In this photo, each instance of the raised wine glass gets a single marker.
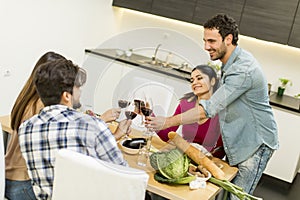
(130, 115)
(138, 104)
(123, 103)
(147, 110)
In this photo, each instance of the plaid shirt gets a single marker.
(57, 127)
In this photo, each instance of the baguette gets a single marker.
(196, 155)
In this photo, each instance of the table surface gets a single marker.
(176, 192)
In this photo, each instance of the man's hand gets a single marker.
(123, 129)
(190, 116)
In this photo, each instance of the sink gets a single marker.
(166, 66)
(156, 62)
(159, 63)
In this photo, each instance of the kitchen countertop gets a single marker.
(286, 102)
(140, 61)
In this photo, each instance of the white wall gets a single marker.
(29, 28)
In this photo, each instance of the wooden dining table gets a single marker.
(177, 192)
(174, 192)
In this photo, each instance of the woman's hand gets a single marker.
(111, 115)
(156, 123)
(123, 129)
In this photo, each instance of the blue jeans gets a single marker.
(250, 171)
(19, 190)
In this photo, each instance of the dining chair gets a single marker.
(78, 176)
(2, 166)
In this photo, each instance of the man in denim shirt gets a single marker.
(249, 131)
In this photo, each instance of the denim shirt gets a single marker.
(242, 102)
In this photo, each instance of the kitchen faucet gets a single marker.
(154, 59)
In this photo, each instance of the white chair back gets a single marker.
(78, 176)
(2, 165)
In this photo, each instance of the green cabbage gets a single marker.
(172, 167)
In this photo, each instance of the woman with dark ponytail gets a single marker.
(204, 82)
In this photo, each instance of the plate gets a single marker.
(131, 146)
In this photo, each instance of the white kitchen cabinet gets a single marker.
(105, 72)
(110, 80)
(284, 163)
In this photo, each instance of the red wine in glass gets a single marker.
(123, 103)
(138, 104)
(130, 114)
(146, 111)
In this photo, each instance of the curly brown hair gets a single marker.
(225, 24)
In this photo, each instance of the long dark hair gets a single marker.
(211, 73)
(28, 95)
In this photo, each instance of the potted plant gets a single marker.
(216, 66)
(283, 83)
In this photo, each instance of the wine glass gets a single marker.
(147, 110)
(138, 104)
(130, 115)
(123, 103)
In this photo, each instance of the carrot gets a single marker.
(196, 155)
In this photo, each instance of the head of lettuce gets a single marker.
(171, 166)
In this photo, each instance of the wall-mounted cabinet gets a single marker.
(270, 20)
(181, 10)
(141, 5)
(205, 9)
(294, 39)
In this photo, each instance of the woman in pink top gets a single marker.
(204, 82)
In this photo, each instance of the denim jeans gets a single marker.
(19, 190)
(250, 171)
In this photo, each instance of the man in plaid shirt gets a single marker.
(59, 125)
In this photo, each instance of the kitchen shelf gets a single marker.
(140, 61)
(286, 102)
